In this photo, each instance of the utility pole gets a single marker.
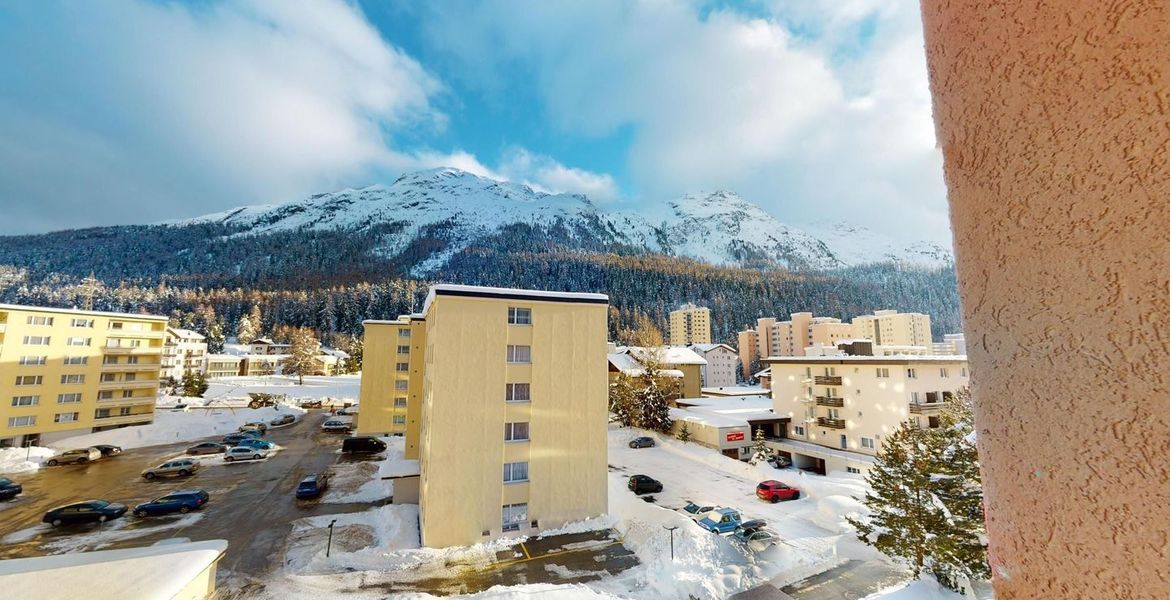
(671, 530)
(330, 544)
(89, 288)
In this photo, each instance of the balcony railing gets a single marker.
(123, 419)
(831, 423)
(827, 380)
(830, 401)
(919, 408)
(135, 333)
(125, 368)
(127, 385)
(134, 401)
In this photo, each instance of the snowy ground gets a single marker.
(338, 388)
(361, 481)
(174, 426)
(23, 460)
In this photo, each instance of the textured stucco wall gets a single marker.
(1054, 120)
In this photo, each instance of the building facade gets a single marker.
(690, 324)
(748, 354)
(184, 351)
(67, 372)
(892, 328)
(512, 417)
(722, 364)
(842, 407)
(222, 365)
(391, 396)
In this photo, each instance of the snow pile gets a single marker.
(362, 481)
(533, 591)
(361, 540)
(174, 426)
(23, 460)
(832, 510)
(340, 388)
(924, 588)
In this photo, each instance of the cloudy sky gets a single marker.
(135, 111)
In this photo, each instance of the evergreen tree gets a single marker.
(302, 355)
(194, 385)
(684, 433)
(354, 348)
(961, 553)
(622, 404)
(759, 447)
(247, 330)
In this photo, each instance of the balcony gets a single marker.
(124, 368)
(135, 401)
(131, 333)
(829, 401)
(831, 423)
(827, 380)
(128, 385)
(139, 419)
(920, 408)
(132, 349)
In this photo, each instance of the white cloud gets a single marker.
(545, 174)
(833, 123)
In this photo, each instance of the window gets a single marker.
(77, 341)
(519, 354)
(914, 396)
(106, 360)
(127, 393)
(29, 380)
(516, 432)
(883, 372)
(101, 413)
(107, 377)
(834, 413)
(514, 516)
(515, 472)
(400, 419)
(40, 320)
(404, 333)
(844, 441)
(830, 371)
(404, 349)
(963, 372)
(853, 470)
(116, 325)
(36, 340)
(73, 379)
(943, 372)
(912, 373)
(81, 323)
(402, 367)
(401, 384)
(83, 360)
(400, 401)
(131, 360)
(25, 421)
(519, 316)
(73, 398)
(867, 443)
(124, 411)
(106, 395)
(65, 417)
(517, 392)
(798, 430)
(130, 377)
(26, 400)
(33, 360)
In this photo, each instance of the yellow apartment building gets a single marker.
(892, 328)
(748, 352)
(690, 324)
(841, 407)
(790, 338)
(66, 372)
(511, 419)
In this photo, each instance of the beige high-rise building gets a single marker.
(512, 408)
(790, 338)
(892, 328)
(748, 352)
(690, 324)
(67, 372)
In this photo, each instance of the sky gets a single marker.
(138, 111)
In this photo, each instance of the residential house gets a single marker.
(183, 352)
(722, 364)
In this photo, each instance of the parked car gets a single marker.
(756, 540)
(180, 406)
(349, 410)
(108, 450)
(779, 461)
(697, 511)
(362, 445)
(90, 511)
(207, 448)
(336, 426)
(256, 443)
(244, 453)
(642, 442)
(79, 456)
(260, 426)
(9, 489)
(774, 491)
(312, 486)
(282, 420)
(752, 525)
(310, 404)
(722, 521)
(180, 467)
(233, 439)
(182, 501)
(644, 484)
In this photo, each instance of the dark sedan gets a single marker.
(642, 442)
(90, 511)
(207, 448)
(643, 484)
(9, 489)
(233, 439)
(312, 486)
(182, 501)
(108, 450)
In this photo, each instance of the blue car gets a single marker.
(9, 489)
(722, 521)
(312, 486)
(182, 501)
(256, 443)
(234, 439)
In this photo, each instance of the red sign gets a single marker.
(735, 436)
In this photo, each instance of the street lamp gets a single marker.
(330, 544)
(671, 530)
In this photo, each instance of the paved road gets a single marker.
(849, 581)
(252, 504)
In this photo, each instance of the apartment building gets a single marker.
(953, 343)
(184, 351)
(892, 328)
(722, 364)
(690, 324)
(268, 347)
(66, 372)
(673, 360)
(222, 365)
(748, 353)
(790, 338)
(511, 422)
(841, 407)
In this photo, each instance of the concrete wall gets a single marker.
(1053, 119)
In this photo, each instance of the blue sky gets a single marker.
(132, 111)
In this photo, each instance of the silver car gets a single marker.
(244, 453)
(180, 467)
(79, 456)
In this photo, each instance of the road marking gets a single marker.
(525, 549)
(500, 565)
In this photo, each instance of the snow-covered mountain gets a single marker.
(458, 208)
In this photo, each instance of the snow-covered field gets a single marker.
(362, 481)
(23, 460)
(175, 426)
(337, 389)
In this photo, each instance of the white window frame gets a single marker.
(101, 413)
(400, 401)
(519, 354)
(37, 340)
(513, 516)
(81, 322)
(513, 431)
(403, 332)
(73, 379)
(944, 372)
(84, 360)
(511, 389)
(29, 380)
(39, 321)
(518, 315)
(516, 472)
(798, 430)
(401, 385)
(33, 361)
(106, 395)
(78, 341)
(404, 349)
(22, 421)
(911, 373)
(70, 398)
(868, 443)
(30, 400)
(400, 419)
(73, 417)
(402, 367)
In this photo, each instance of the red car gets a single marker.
(774, 491)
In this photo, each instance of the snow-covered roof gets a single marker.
(704, 348)
(400, 468)
(78, 311)
(730, 403)
(445, 289)
(764, 373)
(185, 333)
(896, 358)
(737, 390)
(670, 355)
(630, 366)
(154, 572)
(727, 410)
(342, 354)
(708, 419)
(267, 341)
(817, 449)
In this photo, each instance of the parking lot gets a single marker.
(252, 504)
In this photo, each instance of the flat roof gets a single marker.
(727, 403)
(895, 359)
(78, 311)
(474, 291)
(737, 390)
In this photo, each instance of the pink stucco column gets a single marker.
(1054, 121)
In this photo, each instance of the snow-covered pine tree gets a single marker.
(302, 354)
(684, 433)
(353, 347)
(622, 403)
(246, 329)
(759, 447)
(961, 551)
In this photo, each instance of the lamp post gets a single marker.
(329, 545)
(671, 530)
